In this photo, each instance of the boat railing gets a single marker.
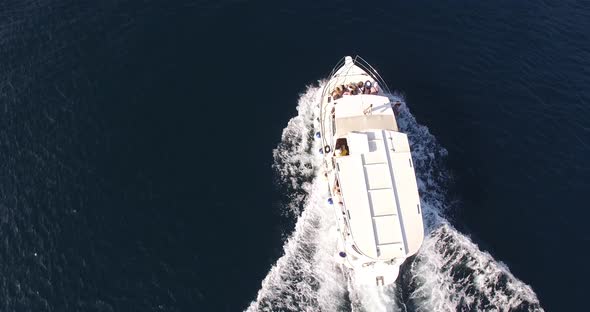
(364, 65)
(336, 68)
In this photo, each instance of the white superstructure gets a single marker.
(370, 174)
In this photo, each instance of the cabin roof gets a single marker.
(379, 190)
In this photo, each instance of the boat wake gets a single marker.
(449, 273)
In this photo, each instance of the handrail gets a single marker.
(360, 62)
(364, 65)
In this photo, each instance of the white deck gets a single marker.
(363, 111)
(355, 105)
(380, 193)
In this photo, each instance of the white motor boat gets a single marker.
(370, 174)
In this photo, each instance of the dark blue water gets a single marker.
(136, 139)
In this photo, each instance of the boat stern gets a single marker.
(377, 273)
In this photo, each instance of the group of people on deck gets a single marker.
(352, 88)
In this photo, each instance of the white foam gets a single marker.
(305, 278)
(449, 273)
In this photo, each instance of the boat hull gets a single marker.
(370, 174)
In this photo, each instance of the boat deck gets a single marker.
(379, 192)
